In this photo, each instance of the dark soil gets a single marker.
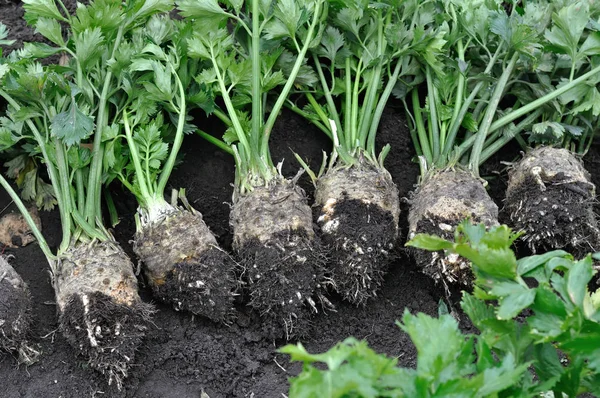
(15, 309)
(183, 355)
(370, 228)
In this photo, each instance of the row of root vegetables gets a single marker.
(116, 108)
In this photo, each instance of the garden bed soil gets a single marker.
(182, 355)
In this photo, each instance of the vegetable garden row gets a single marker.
(472, 76)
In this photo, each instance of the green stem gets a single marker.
(215, 141)
(380, 107)
(322, 115)
(305, 115)
(366, 113)
(456, 123)
(291, 80)
(135, 157)
(168, 168)
(65, 186)
(503, 121)
(433, 116)
(222, 116)
(80, 190)
(92, 205)
(351, 138)
(328, 97)
(348, 100)
(421, 130)
(256, 86)
(235, 121)
(34, 229)
(490, 113)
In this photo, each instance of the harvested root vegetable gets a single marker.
(550, 197)
(358, 203)
(464, 123)
(72, 116)
(275, 241)
(184, 265)
(100, 312)
(15, 314)
(358, 217)
(272, 223)
(439, 204)
(180, 256)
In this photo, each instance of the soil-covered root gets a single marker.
(15, 314)
(358, 211)
(443, 200)
(550, 197)
(280, 254)
(185, 267)
(100, 312)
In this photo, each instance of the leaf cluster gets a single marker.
(538, 332)
(242, 51)
(69, 117)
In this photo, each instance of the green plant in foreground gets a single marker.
(539, 332)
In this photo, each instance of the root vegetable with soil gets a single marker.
(450, 189)
(357, 202)
(270, 217)
(180, 256)
(550, 196)
(70, 119)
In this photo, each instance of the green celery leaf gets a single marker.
(28, 188)
(203, 10)
(35, 9)
(7, 138)
(568, 25)
(145, 8)
(429, 242)
(436, 354)
(89, 46)
(72, 126)
(527, 264)
(51, 30)
(577, 279)
(151, 146)
(513, 304)
(497, 379)
(37, 50)
(45, 198)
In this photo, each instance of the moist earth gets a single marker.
(184, 355)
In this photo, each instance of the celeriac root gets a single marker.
(550, 197)
(443, 200)
(100, 312)
(276, 244)
(185, 267)
(358, 219)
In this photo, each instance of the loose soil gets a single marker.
(183, 355)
